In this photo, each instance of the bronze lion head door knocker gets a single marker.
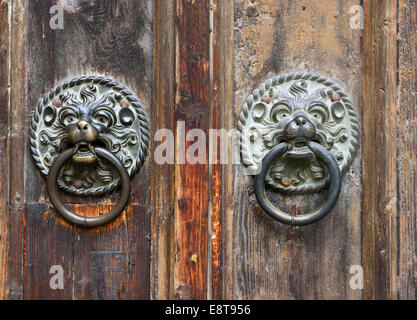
(89, 136)
(299, 134)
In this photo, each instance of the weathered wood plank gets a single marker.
(15, 148)
(215, 190)
(200, 87)
(192, 108)
(272, 261)
(122, 256)
(407, 151)
(220, 234)
(100, 264)
(48, 243)
(162, 174)
(113, 39)
(4, 132)
(138, 252)
(379, 148)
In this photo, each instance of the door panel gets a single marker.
(113, 39)
(196, 231)
(273, 260)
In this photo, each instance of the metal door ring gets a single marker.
(82, 220)
(334, 189)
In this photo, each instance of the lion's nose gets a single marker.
(82, 125)
(83, 131)
(299, 127)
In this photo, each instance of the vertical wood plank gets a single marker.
(407, 151)
(187, 251)
(192, 105)
(163, 174)
(270, 260)
(379, 219)
(48, 243)
(192, 110)
(221, 235)
(12, 217)
(215, 194)
(5, 43)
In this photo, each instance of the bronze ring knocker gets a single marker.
(82, 220)
(335, 183)
(299, 133)
(89, 136)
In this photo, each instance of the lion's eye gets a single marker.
(280, 111)
(282, 114)
(318, 112)
(103, 120)
(104, 117)
(68, 116)
(317, 116)
(70, 119)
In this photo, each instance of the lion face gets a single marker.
(296, 112)
(90, 121)
(299, 118)
(83, 117)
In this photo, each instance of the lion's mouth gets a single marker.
(298, 149)
(84, 153)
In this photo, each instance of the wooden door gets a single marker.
(195, 231)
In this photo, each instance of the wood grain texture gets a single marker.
(187, 250)
(106, 38)
(221, 226)
(407, 152)
(195, 231)
(163, 175)
(4, 130)
(270, 260)
(13, 215)
(379, 145)
(192, 109)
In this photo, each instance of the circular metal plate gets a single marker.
(276, 103)
(106, 104)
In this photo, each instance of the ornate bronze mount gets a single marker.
(299, 132)
(88, 136)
